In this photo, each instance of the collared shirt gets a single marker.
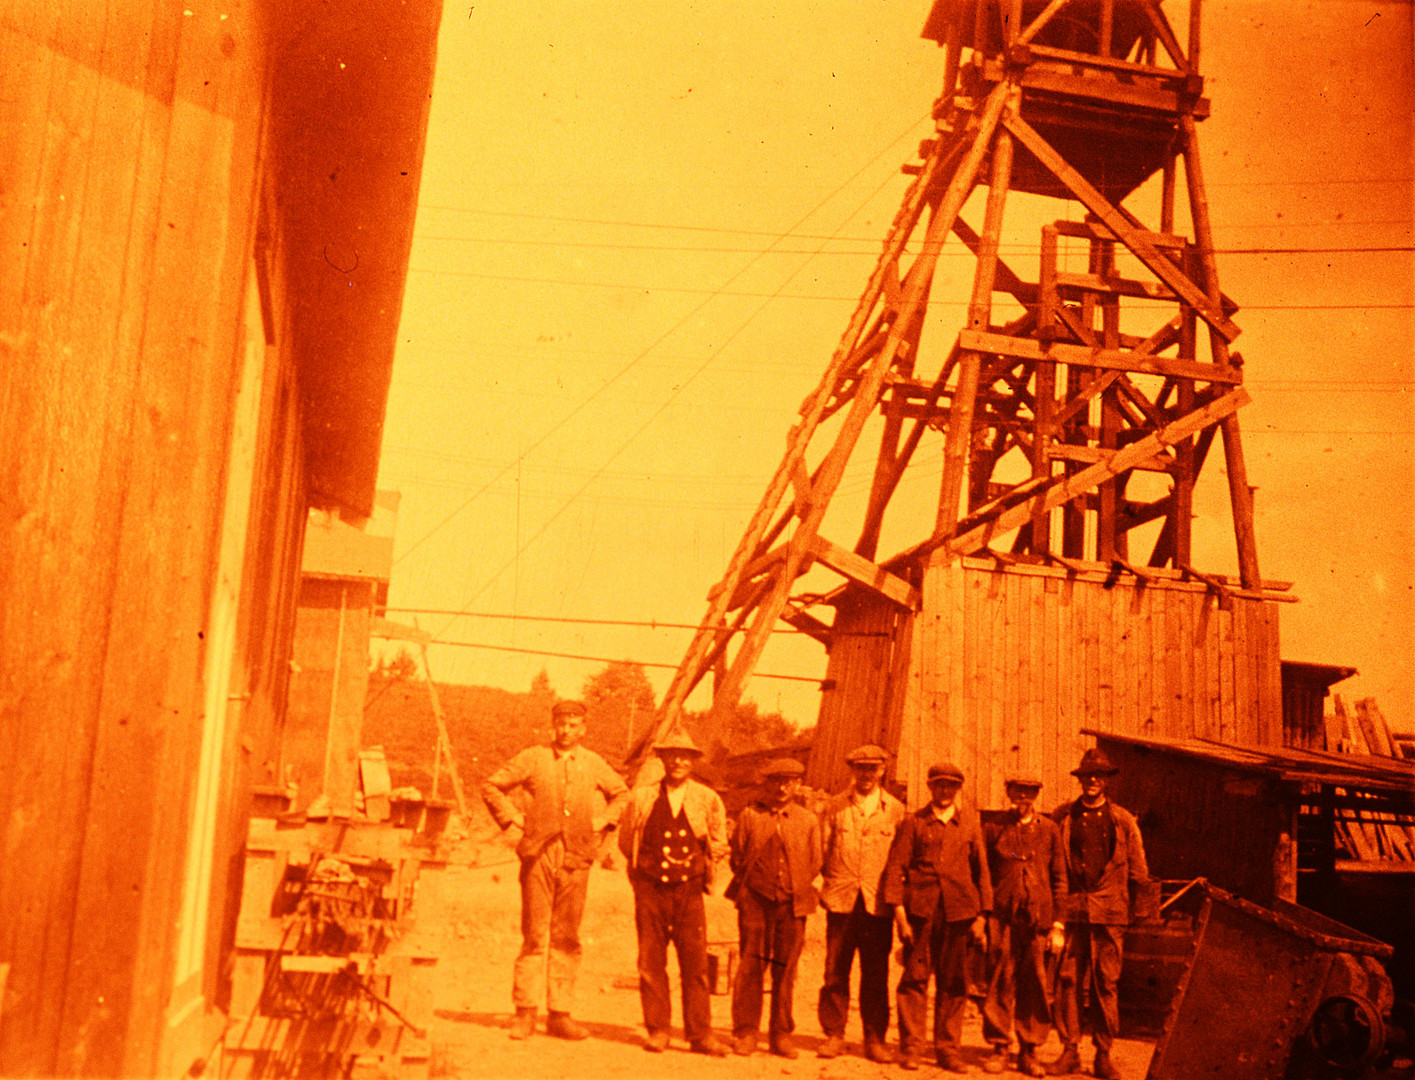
(946, 814)
(856, 833)
(675, 795)
(573, 794)
(798, 831)
(939, 867)
(769, 876)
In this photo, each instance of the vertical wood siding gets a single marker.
(1008, 665)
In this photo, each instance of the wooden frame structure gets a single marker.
(1050, 416)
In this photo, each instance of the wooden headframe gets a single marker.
(1048, 415)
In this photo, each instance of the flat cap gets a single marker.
(677, 740)
(568, 708)
(945, 770)
(869, 754)
(1094, 763)
(1022, 780)
(783, 766)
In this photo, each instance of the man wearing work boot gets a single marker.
(674, 833)
(573, 797)
(856, 831)
(776, 855)
(1028, 870)
(938, 883)
(1105, 860)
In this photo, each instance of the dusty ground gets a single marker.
(471, 913)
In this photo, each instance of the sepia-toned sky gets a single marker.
(643, 228)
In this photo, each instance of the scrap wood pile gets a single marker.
(1380, 834)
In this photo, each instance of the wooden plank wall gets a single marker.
(128, 144)
(1007, 665)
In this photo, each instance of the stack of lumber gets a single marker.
(1379, 834)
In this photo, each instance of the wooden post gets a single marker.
(443, 739)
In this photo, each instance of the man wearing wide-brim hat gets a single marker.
(776, 855)
(1105, 860)
(673, 834)
(1028, 867)
(857, 828)
(937, 880)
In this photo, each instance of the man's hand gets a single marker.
(1056, 940)
(979, 931)
(901, 925)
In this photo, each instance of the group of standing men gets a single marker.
(1018, 888)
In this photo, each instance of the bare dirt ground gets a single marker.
(469, 913)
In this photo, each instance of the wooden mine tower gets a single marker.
(1053, 589)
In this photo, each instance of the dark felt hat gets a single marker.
(1094, 763)
(945, 770)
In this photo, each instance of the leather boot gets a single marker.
(523, 1024)
(1104, 1068)
(1068, 1064)
(562, 1026)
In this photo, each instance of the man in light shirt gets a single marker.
(857, 828)
(573, 800)
(674, 833)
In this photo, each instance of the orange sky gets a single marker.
(643, 228)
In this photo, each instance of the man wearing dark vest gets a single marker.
(674, 833)
(776, 855)
(937, 879)
(857, 829)
(573, 799)
(1105, 860)
(1028, 870)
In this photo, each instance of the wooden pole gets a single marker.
(443, 739)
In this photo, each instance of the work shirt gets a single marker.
(939, 866)
(856, 834)
(1028, 869)
(574, 795)
(762, 830)
(1107, 901)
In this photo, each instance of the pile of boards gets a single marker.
(1375, 835)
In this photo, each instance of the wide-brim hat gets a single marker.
(679, 741)
(945, 770)
(1094, 763)
(783, 766)
(568, 708)
(869, 754)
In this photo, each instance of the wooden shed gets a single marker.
(1335, 832)
(206, 213)
(1006, 663)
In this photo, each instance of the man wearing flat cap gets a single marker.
(857, 828)
(937, 881)
(674, 833)
(776, 855)
(572, 800)
(1028, 868)
(1105, 860)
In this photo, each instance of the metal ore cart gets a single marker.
(1274, 994)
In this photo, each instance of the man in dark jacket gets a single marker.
(1028, 868)
(776, 855)
(1105, 860)
(938, 883)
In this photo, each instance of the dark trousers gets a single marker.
(1016, 984)
(552, 905)
(1090, 969)
(673, 913)
(871, 936)
(939, 951)
(770, 936)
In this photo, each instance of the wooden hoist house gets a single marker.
(1054, 587)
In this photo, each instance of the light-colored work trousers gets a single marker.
(552, 905)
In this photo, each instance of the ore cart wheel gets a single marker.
(1346, 1034)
